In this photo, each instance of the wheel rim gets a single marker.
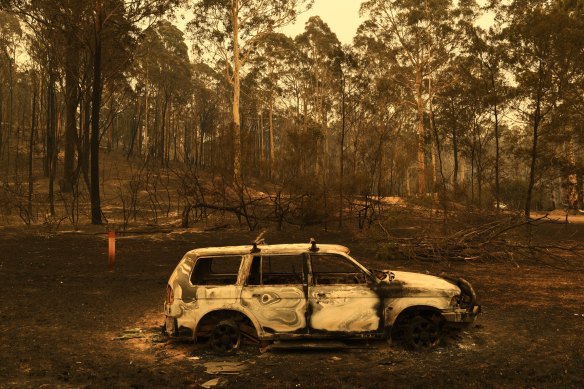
(225, 338)
(424, 334)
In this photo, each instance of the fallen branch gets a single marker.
(493, 241)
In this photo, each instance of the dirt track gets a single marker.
(61, 310)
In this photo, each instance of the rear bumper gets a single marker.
(171, 326)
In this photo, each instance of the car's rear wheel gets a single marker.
(423, 333)
(226, 337)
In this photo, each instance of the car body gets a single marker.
(294, 291)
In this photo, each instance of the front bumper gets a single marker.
(463, 316)
(471, 309)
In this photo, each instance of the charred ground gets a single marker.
(62, 310)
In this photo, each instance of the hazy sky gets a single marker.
(342, 16)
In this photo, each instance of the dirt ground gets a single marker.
(61, 312)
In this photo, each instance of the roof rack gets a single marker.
(259, 240)
(313, 246)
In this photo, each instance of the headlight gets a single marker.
(455, 301)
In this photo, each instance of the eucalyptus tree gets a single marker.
(10, 35)
(417, 33)
(571, 110)
(95, 32)
(209, 93)
(544, 44)
(323, 57)
(230, 31)
(46, 49)
(383, 103)
(466, 99)
(487, 48)
(163, 56)
(108, 18)
(60, 26)
(275, 56)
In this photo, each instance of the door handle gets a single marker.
(321, 295)
(257, 295)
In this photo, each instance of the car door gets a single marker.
(340, 296)
(275, 292)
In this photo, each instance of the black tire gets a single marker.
(423, 333)
(225, 337)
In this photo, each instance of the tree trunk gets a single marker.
(96, 106)
(455, 158)
(155, 138)
(532, 166)
(187, 141)
(439, 151)
(580, 178)
(85, 154)
(497, 147)
(236, 92)
(534, 152)
(571, 177)
(261, 135)
(172, 118)
(201, 153)
(163, 140)
(472, 171)
(1, 119)
(71, 96)
(421, 134)
(31, 147)
(53, 165)
(19, 135)
(146, 110)
(272, 152)
(462, 169)
(135, 130)
(433, 167)
(342, 151)
(51, 128)
(10, 112)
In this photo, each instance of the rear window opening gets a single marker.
(216, 270)
(277, 270)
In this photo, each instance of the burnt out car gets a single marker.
(295, 291)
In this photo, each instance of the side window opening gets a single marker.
(276, 270)
(331, 269)
(216, 270)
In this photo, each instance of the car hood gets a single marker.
(424, 284)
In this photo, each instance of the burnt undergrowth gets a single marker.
(482, 237)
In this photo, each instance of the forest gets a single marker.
(112, 113)
(447, 139)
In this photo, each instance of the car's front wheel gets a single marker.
(423, 333)
(226, 337)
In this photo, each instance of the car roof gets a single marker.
(296, 248)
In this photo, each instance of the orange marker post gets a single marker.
(111, 257)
